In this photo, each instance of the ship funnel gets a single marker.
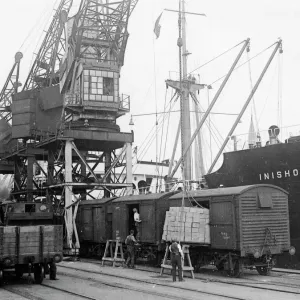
(273, 134)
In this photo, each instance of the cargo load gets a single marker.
(187, 224)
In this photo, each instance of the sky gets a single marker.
(150, 61)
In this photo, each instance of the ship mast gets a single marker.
(184, 87)
(184, 96)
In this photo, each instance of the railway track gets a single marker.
(255, 284)
(145, 290)
(19, 293)
(73, 279)
(18, 290)
(245, 281)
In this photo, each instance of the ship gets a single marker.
(276, 163)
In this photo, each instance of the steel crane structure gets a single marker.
(65, 116)
(9, 89)
(45, 68)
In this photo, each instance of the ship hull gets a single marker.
(277, 164)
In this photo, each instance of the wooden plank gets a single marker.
(29, 242)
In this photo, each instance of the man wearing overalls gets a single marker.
(130, 242)
(176, 256)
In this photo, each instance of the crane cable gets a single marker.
(44, 17)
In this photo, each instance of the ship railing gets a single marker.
(124, 103)
(192, 77)
(242, 142)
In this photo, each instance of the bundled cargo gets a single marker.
(187, 224)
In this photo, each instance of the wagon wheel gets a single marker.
(148, 254)
(198, 261)
(19, 272)
(1, 277)
(263, 270)
(38, 273)
(236, 272)
(220, 266)
(53, 270)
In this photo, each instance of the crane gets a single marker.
(72, 91)
(97, 41)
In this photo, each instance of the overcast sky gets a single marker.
(150, 61)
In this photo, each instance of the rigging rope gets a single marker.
(253, 98)
(271, 83)
(156, 121)
(255, 56)
(44, 17)
(209, 127)
(216, 57)
(149, 143)
(168, 116)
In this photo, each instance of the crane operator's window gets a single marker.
(108, 86)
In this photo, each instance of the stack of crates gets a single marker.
(187, 224)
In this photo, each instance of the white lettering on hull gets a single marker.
(278, 174)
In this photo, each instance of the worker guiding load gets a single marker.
(176, 259)
(130, 242)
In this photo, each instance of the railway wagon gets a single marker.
(28, 240)
(152, 209)
(94, 223)
(249, 227)
(100, 220)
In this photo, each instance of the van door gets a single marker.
(86, 230)
(99, 224)
(222, 223)
(120, 221)
(147, 226)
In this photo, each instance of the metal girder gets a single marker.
(100, 30)
(44, 71)
(10, 87)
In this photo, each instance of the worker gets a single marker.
(137, 223)
(176, 259)
(130, 242)
(1, 215)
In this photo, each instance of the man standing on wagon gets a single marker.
(137, 221)
(176, 259)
